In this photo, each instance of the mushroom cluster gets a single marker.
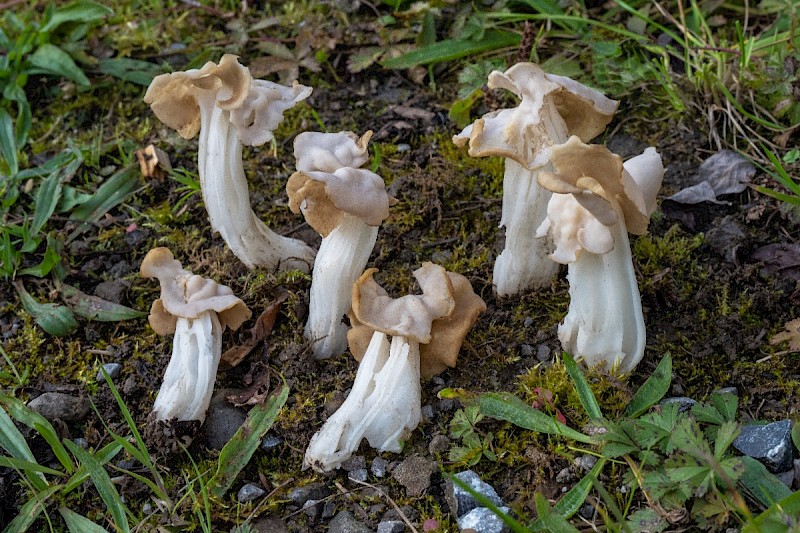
(229, 108)
(345, 204)
(197, 311)
(597, 200)
(426, 330)
(551, 109)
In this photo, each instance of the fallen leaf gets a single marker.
(255, 393)
(780, 258)
(153, 162)
(95, 308)
(413, 113)
(260, 331)
(726, 172)
(792, 334)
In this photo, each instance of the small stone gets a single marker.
(441, 256)
(329, 510)
(270, 442)
(526, 350)
(403, 147)
(359, 474)
(345, 522)
(727, 390)
(391, 526)
(483, 520)
(543, 353)
(446, 405)
(438, 381)
(439, 445)
(378, 467)
(249, 493)
(585, 462)
(112, 369)
(270, 525)
(528, 322)
(427, 412)
(113, 291)
(565, 475)
(222, 420)
(356, 462)
(587, 511)
(312, 509)
(460, 501)
(415, 474)
(81, 442)
(57, 405)
(685, 402)
(312, 491)
(786, 477)
(771, 444)
(407, 511)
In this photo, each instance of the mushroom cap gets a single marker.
(174, 97)
(185, 295)
(548, 103)
(595, 177)
(327, 185)
(574, 229)
(439, 319)
(261, 112)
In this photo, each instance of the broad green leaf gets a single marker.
(102, 456)
(51, 258)
(762, 485)
(585, 394)
(110, 194)
(54, 319)
(505, 406)
(34, 420)
(460, 109)
(23, 124)
(15, 444)
(77, 523)
(80, 11)
(515, 526)
(27, 466)
(450, 49)
(651, 390)
(796, 435)
(726, 434)
(46, 201)
(132, 70)
(50, 59)
(552, 521)
(8, 142)
(776, 517)
(727, 404)
(571, 502)
(95, 308)
(29, 512)
(235, 455)
(103, 484)
(70, 198)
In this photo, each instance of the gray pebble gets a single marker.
(112, 369)
(427, 412)
(356, 462)
(585, 462)
(81, 442)
(222, 420)
(528, 322)
(329, 510)
(391, 526)
(249, 493)
(587, 511)
(113, 290)
(786, 477)
(271, 441)
(565, 475)
(403, 147)
(415, 474)
(526, 350)
(446, 405)
(685, 402)
(460, 501)
(359, 474)
(543, 353)
(483, 520)
(439, 445)
(378, 467)
(312, 491)
(53, 405)
(345, 522)
(727, 390)
(312, 509)
(771, 444)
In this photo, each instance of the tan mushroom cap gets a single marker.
(439, 319)
(327, 186)
(173, 97)
(596, 178)
(185, 295)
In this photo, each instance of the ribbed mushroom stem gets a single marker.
(524, 262)
(341, 259)
(191, 372)
(227, 198)
(604, 323)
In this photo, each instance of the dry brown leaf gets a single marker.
(792, 334)
(260, 331)
(153, 162)
(255, 393)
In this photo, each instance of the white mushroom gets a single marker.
(229, 108)
(427, 331)
(597, 200)
(345, 204)
(197, 311)
(550, 110)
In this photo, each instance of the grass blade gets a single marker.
(102, 456)
(585, 394)
(27, 466)
(553, 522)
(78, 523)
(515, 526)
(450, 49)
(571, 502)
(110, 194)
(651, 390)
(14, 443)
(774, 519)
(8, 143)
(235, 455)
(29, 512)
(761, 484)
(104, 486)
(505, 406)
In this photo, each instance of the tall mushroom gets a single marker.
(551, 109)
(345, 204)
(197, 311)
(229, 108)
(597, 201)
(426, 331)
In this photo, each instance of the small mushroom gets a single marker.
(229, 108)
(196, 311)
(597, 201)
(384, 403)
(345, 204)
(551, 109)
